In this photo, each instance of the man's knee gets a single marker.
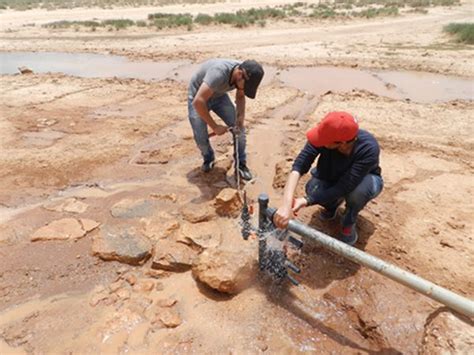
(367, 190)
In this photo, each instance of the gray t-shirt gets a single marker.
(215, 73)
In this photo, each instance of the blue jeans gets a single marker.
(368, 189)
(225, 109)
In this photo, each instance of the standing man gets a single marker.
(347, 169)
(208, 92)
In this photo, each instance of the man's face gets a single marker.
(241, 77)
(342, 147)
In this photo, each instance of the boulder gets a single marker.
(172, 256)
(227, 271)
(228, 203)
(129, 208)
(204, 235)
(64, 229)
(123, 245)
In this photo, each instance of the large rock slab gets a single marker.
(195, 213)
(65, 229)
(228, 271)
(71, 205)
(203, 235)
(228, 203)
(162, 225)
(173, 256)
(129, 208)
(123, 245)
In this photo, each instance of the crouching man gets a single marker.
(347, 169)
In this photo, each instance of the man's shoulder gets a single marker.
(367, 141)
(219, 63)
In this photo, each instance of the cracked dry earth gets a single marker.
(106, 222)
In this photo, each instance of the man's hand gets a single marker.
(282, 217)
(219, 129)
(299, 203)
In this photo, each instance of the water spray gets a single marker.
(274, 262)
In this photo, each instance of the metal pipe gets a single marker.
(452, 300)
(262, 226)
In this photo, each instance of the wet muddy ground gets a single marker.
(78, 147)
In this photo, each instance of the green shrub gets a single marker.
(464, 32)
(203, 19)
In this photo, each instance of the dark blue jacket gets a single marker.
(345, 172)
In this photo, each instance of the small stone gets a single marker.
(170, 318)
(156, 274)
(115, 286)
(166, 197)
(131, 279)
(144, 286)
(166, 302)
(123, 293)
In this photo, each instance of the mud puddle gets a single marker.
(86, 65)
(414, 86)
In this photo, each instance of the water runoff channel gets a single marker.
(401, 85)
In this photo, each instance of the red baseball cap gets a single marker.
(334, 127)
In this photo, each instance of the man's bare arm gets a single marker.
(200, 105)
(240, 107)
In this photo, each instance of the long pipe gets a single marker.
(452, 300)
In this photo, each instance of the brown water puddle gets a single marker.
(403, 85)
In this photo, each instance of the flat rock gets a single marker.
(204, 235)
(123, 245)
(65, 229)
(228, 203)
(129, 208)
(161, 226)
(227, 271)
(71, 205)
(195, 213)
(172, 256)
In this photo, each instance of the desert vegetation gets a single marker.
(463, 32)
(343, 9)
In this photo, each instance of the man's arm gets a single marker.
(301, 166)
(200, 105)
(284, 213)
(240, 107)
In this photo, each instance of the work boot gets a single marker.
(348, 235)
(207, 166)
(244, 172)
(327, 215)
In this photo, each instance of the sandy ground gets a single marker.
(64, 137)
